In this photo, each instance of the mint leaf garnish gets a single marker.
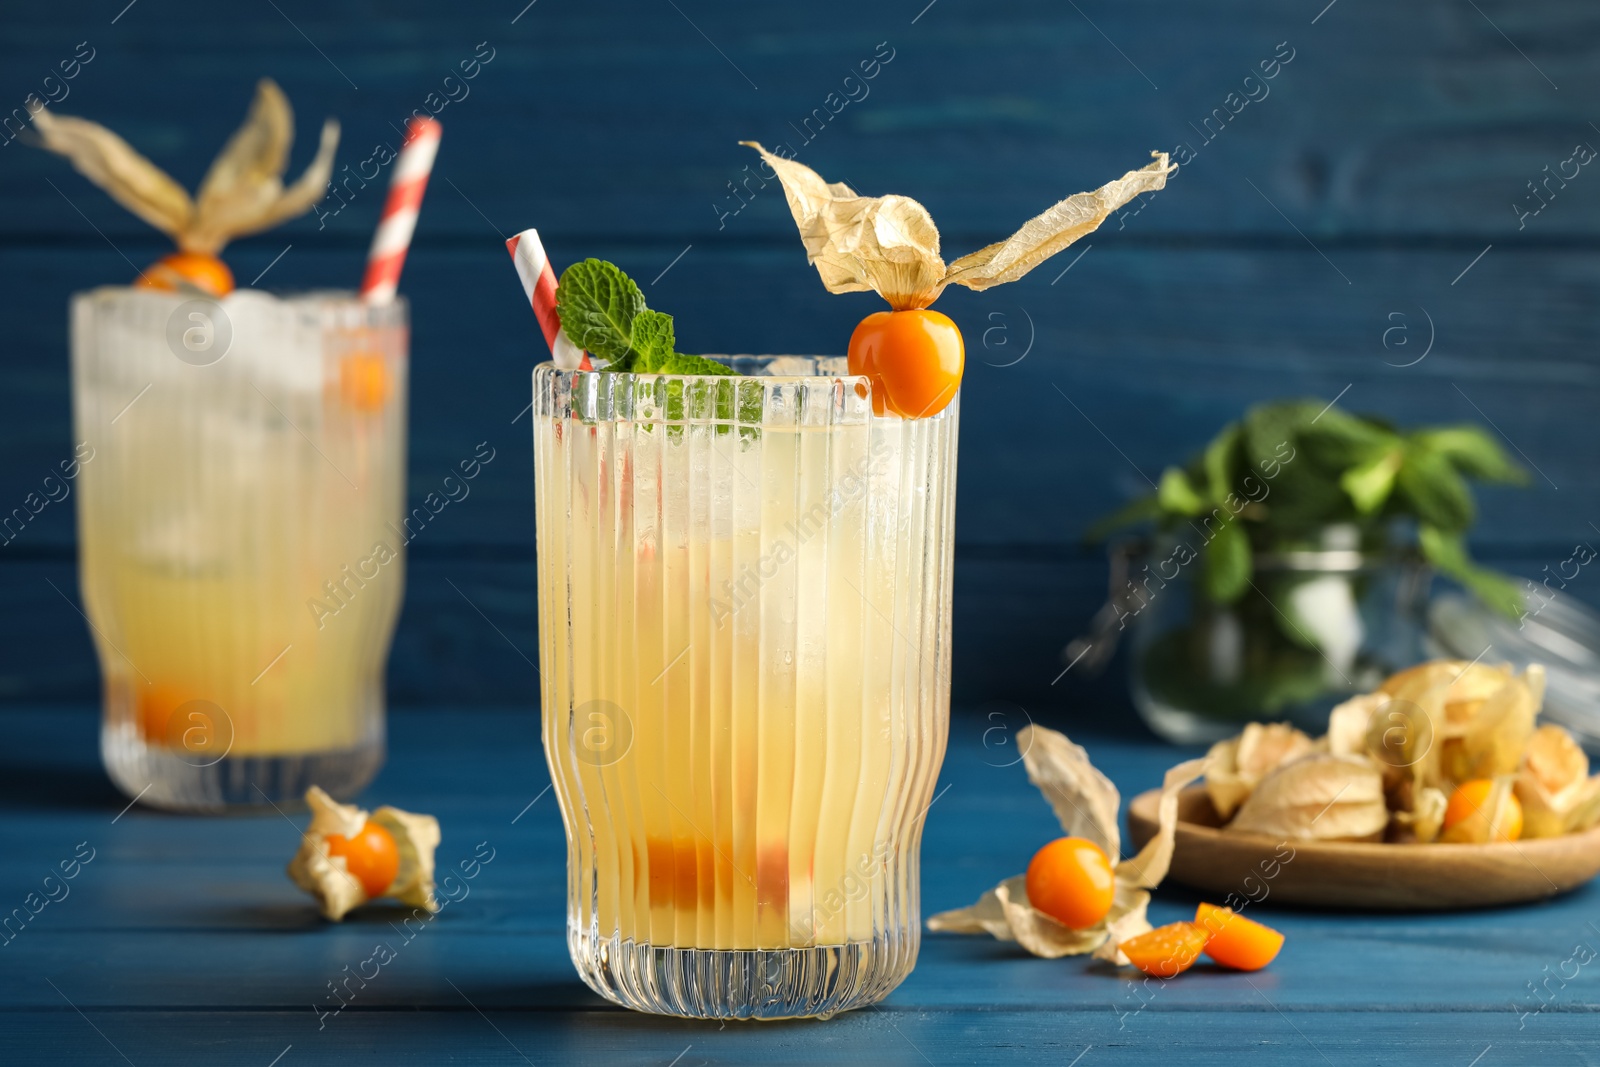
(598, 304)
(603, 312)
(652, 341)
(679, 363)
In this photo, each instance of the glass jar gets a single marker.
(1315, 626)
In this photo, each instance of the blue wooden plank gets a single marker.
(621, 119)
(1156, 348)
(886, 1037)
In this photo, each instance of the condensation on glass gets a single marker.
(744, 615)
(241, 538)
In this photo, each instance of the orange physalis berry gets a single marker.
(1466, 815)
(157, 704)
(1167, 950)
(371, 857)
(1071, 880)
(364, 381)
(1237, 942)
(192, 269)
(913, 359)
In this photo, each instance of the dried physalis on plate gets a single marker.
(1558, 796)
(347, 857)
(1444, 751)
(1482, 716)
(1086, 804)
(1239, 763)
(242, 193)
(1319, 796)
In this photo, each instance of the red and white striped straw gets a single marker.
(539, 282)
(399, 220)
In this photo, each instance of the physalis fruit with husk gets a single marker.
(1444, 751)
(243, 192)
(913, 355)
(1086, 804)
(347, 857)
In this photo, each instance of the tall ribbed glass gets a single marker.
(744, 615)
(241, 553)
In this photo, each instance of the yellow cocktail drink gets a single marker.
(241, 537)
(744, 591)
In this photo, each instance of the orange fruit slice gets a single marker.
(1237, 942)
(1168, 950)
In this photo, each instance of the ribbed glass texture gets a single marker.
(744, 614)
(241, 553)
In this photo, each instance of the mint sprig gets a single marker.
(602, 311)
(598, 304)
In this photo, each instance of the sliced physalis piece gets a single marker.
(364, 381)
(1482, 810)
(347, 857)
(1066, 874)
(1237, 942)
(1167, 951)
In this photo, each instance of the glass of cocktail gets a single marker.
(744, 612)
(241, 547)
(242, 478)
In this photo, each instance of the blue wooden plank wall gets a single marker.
(1386, 192)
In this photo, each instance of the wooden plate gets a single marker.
(1355, 875)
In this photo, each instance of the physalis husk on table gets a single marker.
(327, 877)
(1086, 804)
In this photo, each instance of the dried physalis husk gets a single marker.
(1347, 724)
(1239, 763)
(243, 192)
(1084, 800)
(1400, 740)
(1453, 694)
(1317, 797)
(1492, 740)
(326, 878)
(889, 244)
(1421, 824)
(1086, 803)
(1554, 786)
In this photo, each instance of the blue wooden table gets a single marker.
(182, 942)
(1362, 224)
